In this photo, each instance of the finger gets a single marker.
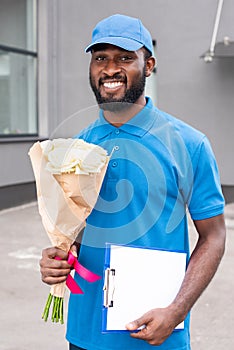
(141, 333)
(53, 280)
(50, 263)
(54, 258)
(51, 276)
(137, 324)
(53, 272)
(53, 252)
(73, 250)
(78, 246)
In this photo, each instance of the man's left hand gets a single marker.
(155, 326)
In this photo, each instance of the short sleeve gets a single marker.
(206, 197)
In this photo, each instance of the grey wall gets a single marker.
(194, 91)
(198, 93)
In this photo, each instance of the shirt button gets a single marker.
(117, 132)
(114, 164)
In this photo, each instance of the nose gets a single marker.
(111, 67)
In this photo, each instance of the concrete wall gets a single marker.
(194, 91)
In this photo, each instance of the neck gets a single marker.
(119, 118)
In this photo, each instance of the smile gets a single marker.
(112, 85)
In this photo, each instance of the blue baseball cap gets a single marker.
(122, 31)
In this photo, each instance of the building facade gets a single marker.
(44, 85)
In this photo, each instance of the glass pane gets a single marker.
(17, 94)
(18, 23)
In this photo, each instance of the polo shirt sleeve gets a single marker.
(206, 198)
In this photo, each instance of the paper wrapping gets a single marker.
(64, 202)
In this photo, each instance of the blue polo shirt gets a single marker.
(160, 169)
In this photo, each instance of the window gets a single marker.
(18, 66)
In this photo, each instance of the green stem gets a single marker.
(61, 312)
(54, 309)
(47, 307)
(57, 311)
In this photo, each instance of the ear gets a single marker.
(149, 67)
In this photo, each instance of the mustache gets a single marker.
(115, 77)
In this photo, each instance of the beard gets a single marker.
(131, 95)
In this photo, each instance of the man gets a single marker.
(160, 167)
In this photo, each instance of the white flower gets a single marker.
(73, 155)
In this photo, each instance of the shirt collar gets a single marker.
(139, 125)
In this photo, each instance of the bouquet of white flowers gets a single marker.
(69, 174)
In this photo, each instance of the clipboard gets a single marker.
(136, 280)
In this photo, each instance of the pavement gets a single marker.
(23, 295)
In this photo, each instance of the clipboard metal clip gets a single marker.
(109, 287)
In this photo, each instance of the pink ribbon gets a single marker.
(82, 271)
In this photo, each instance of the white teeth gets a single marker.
(112, 85)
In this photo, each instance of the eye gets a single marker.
(100, 58)
(126, 58)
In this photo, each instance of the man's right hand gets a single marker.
(54, 271)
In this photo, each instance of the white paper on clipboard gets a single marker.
(138, 280)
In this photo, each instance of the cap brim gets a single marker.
(123, 43)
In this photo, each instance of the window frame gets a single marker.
(21, 137)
